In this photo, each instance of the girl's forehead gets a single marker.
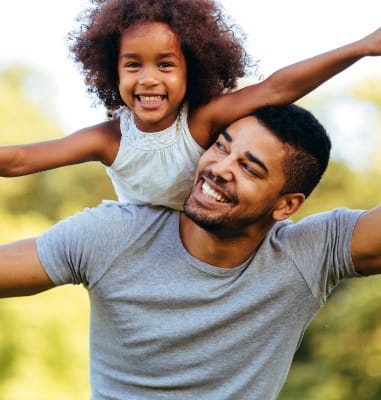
(155, 37)
(149, 28)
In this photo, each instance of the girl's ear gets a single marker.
(288, 205)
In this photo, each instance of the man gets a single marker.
(213, 302)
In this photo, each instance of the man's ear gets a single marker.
(288, 204)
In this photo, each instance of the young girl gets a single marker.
(169, 68)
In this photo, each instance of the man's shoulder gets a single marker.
(112, 219)
(316, 221)
(116, 210)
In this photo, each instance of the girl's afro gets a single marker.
(213, 46)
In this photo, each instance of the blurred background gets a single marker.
(44, 339)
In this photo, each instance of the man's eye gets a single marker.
(247, 168)
(220, 146)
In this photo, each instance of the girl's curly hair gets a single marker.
(213, 47)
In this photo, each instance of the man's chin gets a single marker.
(205, 221)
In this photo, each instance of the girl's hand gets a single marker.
(372, 43)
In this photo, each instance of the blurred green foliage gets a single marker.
(340, 355)
(44, 338)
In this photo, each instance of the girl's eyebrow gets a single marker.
(248, 154)
(168, 54)
(128, 55)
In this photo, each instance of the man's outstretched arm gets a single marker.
(366, 243)
(21, 272)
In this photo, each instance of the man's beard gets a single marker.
(224, 224)
(207, 222)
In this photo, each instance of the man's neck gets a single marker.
(214, 249)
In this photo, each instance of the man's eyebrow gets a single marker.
(256, 160)
(227, 137)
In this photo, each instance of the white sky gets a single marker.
(280, 32)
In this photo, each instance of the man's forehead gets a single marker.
(248, 129)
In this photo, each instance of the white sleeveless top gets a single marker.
(154, 168)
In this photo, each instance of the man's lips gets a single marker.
(213, 194)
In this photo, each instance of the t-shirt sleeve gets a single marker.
(80, 249)
(320, 247)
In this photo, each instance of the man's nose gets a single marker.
(223, 169)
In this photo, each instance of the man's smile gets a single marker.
(213, 194)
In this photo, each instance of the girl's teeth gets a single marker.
(150, 98)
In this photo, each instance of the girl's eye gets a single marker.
(165, 64)
(132, 65)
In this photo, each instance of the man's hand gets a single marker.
(21, 272)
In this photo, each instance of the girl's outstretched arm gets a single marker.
(282, 87)
(97, 143)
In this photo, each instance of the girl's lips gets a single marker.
(150, 98)
(150, 101)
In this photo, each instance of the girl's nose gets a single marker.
(148, 78)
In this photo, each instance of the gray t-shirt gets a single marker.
(165, 325)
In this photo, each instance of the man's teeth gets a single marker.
(152, 99)
(207, 190)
